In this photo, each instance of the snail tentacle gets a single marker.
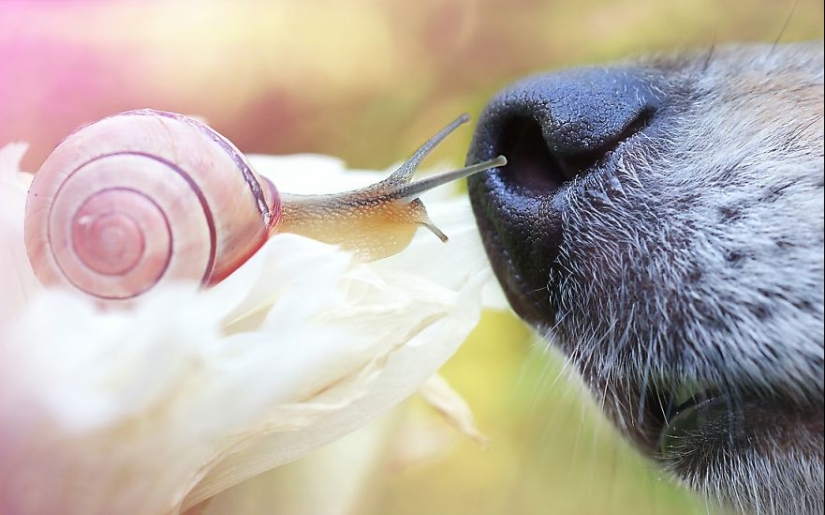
(406, 170)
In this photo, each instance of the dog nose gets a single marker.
(551, 128)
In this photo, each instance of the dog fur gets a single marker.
(689, 264)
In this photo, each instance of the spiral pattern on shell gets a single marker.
(144, 197)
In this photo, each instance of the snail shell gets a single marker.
(145, 197)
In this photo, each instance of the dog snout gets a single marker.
(552, 128)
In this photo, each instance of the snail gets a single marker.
(145, 197)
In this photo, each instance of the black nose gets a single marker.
(555, 126)
(551, 128)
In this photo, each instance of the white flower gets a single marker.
(155, 409)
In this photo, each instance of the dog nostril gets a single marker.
(530, 163)
(534, 166)
(554, 127)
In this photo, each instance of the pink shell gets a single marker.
(144, 197)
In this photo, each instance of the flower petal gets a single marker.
(17, 281)
(438, 393)
(390, 335)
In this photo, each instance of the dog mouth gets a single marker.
(683, 414)
(713, 426)
(668, 418)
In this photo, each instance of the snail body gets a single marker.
(146, 197)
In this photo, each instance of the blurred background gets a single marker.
(368, 81)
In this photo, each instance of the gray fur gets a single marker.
(698, 262)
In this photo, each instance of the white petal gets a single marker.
(401, 332)
(311, 173)
(439, 394)
(17, 281)
(329, 481)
